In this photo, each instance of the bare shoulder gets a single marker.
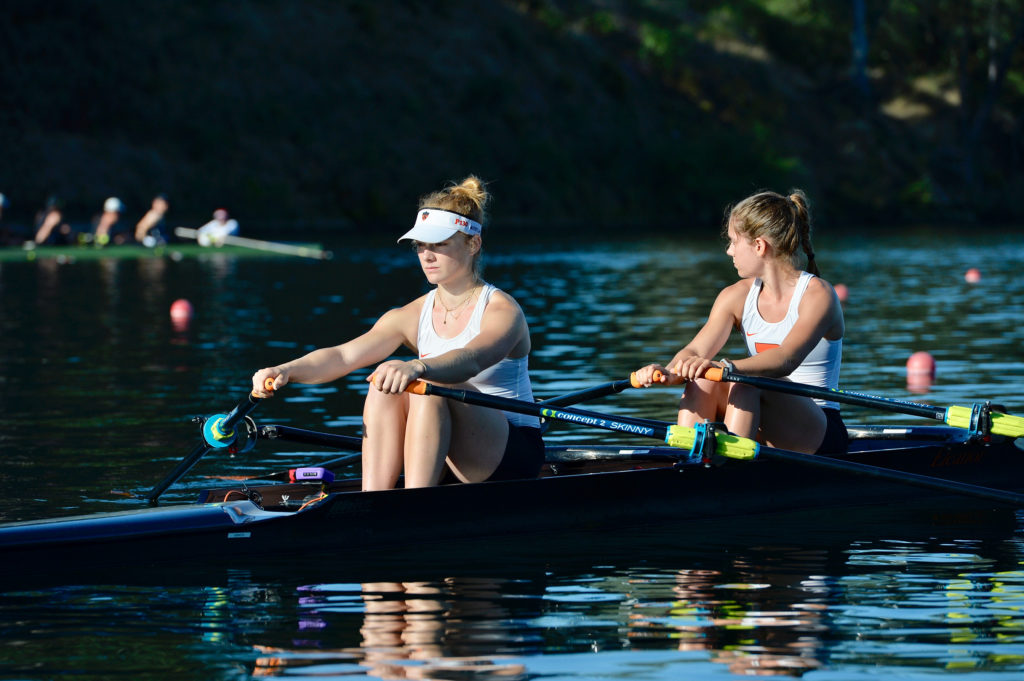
(819, 288)
(734, 295)
(820, 299)
(504, 302)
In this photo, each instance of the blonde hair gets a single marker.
(468, 198)
(784, 221)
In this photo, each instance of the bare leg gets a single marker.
(792, 422)
(384, 419)
(427, 439)
(743, 410)
(702, 401)
(478, 439)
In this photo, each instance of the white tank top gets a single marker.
(820, 367)
(508, 378)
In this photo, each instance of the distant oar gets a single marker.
(730, 446)
(958, 417)
(257, 244)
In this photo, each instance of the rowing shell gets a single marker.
(581, 487)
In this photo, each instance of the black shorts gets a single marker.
(524, 454)
(837, 440)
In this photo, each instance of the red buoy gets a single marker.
(921, 364)
(181, 310)
(920, 372)
(972, 276)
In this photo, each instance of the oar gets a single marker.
(218, 432)
(958, 417)
(310, 437)
(257, 244)
(730, 446)
(593, 393)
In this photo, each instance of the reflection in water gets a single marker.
(767, 627)
(410, 630)
(774, 609)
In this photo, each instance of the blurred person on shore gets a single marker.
(107, 225)
(214, 231)
(150, 229)
(50, 226)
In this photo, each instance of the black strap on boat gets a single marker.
(981, 421)
(704, 445)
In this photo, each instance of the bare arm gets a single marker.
(393, 329)
(147, 221)
(51, 220)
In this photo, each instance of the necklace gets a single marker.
(456, 310)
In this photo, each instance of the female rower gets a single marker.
(465, 332)
(791, 321)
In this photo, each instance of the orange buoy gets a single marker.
(181, 314)
(920, 372)
(921, 364)
(842, 292)
(972, 275)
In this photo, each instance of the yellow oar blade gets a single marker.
(1002, 424)
(730, 446)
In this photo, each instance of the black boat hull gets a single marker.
(619, 487)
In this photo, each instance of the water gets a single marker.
(97, 388)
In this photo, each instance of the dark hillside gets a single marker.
(342, 113)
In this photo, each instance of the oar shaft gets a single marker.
(905, 477)
(593, 393)
(310, 437)
(260, 245)
(621, 424)
(184, 466)
(860, 399)
(958, 417)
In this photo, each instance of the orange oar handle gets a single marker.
(268, 385)
(635, 382)
(714, 374)
(417, 387)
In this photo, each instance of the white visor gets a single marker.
(434, 225)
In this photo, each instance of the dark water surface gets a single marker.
(97, 387)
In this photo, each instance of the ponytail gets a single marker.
(802, 222)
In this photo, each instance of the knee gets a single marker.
(379, 404)
(421, 406)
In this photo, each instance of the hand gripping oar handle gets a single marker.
(727, 445)
(218, 431)
(958, 417)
